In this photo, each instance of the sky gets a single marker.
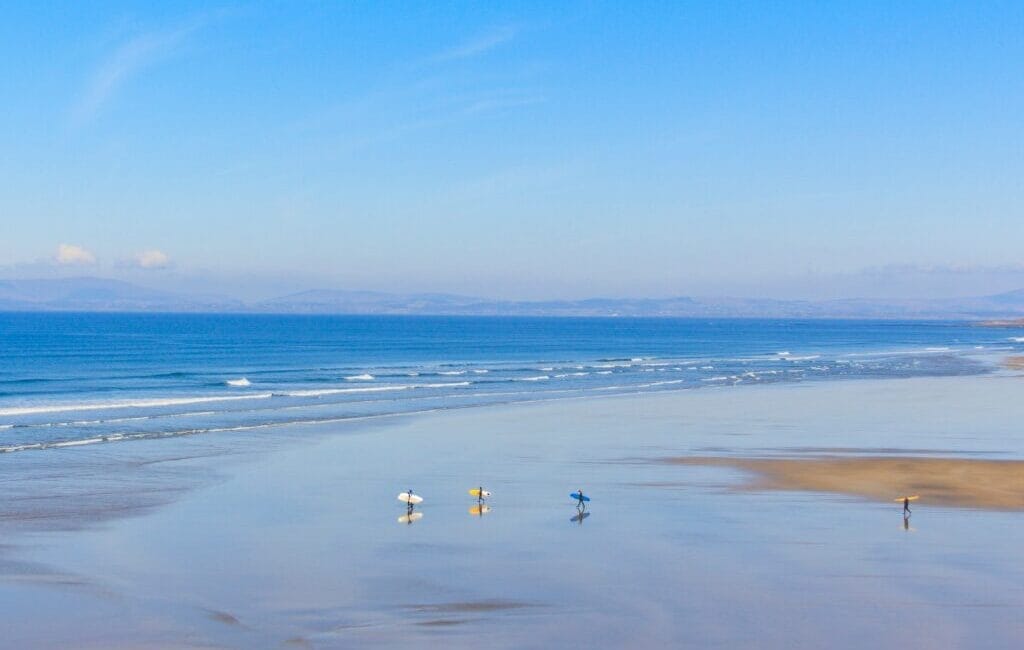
(516, 150)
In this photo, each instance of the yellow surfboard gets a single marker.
(478, 493)
(478, 511)
(913, 498)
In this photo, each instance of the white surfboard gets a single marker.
(405, 497)
(408, 519)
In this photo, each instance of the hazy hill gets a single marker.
(99, 294)
(96, 294)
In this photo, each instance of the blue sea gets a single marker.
(68, 380)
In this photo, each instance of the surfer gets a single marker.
(906, 506)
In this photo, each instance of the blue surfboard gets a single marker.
(576, 496)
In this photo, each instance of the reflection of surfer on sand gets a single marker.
(581, 505)
(410, 500)
(906, 509)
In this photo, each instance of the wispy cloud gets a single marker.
(501, 102)
(129, 59)
(478, 45)
(71, 254)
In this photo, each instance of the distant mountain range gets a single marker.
(100, 294)
(97, 294)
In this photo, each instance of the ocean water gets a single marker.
(70, 380)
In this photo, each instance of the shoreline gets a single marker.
(290, 536)
(204, 449)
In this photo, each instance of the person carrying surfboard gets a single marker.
(906, 502)
(581, 499)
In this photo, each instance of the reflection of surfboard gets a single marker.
(913, 498)
(579, 497)
(405, 497)
(408, 519)
(580, 517)
(479, 510)
(478, 493)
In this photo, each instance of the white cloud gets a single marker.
(70, 254)
(152, 259)
(479, 44)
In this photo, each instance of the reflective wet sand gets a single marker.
(299, 546)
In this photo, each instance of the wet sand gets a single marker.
(1014, 363)
(959, 482)
(288, 538)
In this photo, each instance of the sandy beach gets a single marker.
(962, 482)
(777, 530)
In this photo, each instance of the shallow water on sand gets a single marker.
(299, 546)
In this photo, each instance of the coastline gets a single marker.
(295, 544)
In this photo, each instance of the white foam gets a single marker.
(128, 403)
(78, 443)
(445, 385)
(240, 383)
(453, 372)
(537, 378)
(37, 445)
(1017, 339)
(481, 371)
(363, 377)
(604, 372)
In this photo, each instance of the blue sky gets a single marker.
(523, 150)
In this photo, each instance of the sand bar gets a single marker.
(961, 482)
